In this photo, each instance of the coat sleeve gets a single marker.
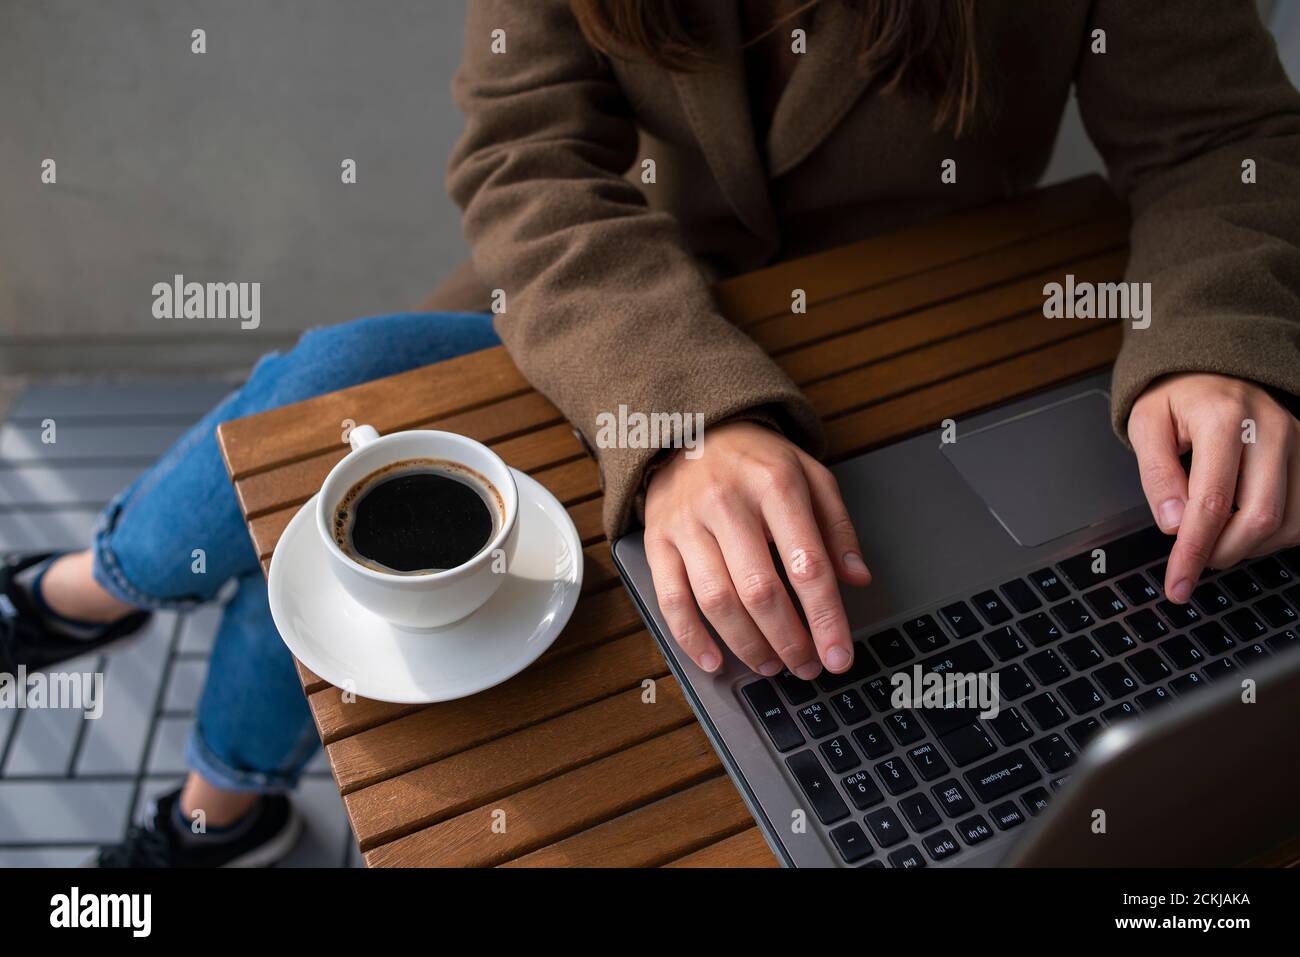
(604, 303)
(1184, 95)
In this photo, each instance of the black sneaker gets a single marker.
(159, 841)
(27, 639)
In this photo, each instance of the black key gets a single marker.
(1046, 710)
(885, 827)
(772, 715)
(807, 770)
(973, 830)
(904, 727)
(863, 667)
(1006, 815)
(1005, 643)
(1244, 625)
(1293, 595)
(1081, 653)
(1121, 556)
(1270, 573)
(991, 608)
(1104, 602)
(1212, 638)
(871, 739)
(1039, 629)
(1055, 752)
(1283, 640)
(1047, 667)
(943, 720)
(862, 791)
(1149, 700)
(1276, 611)
(897, 779)
(1006, 773)
(1114, 640)
(1291, 557)
(1219, 669)
(1084, 731)
(796, 690)
(907, 857)
(1121, 712)
(1009, 726)
(1210, 598)
(952, 799)
(1241, 586)
(1021, 596)
(1180, 616)
(967, 744)
(1081, 696)
(1251, 653)
(1148, 666)
(940, 845)
(1013, 683)
(1188, 682)
(927, 760)
(879, 691)
(959, 619)
(1072, 615)
(848, 704)
(925, 634)
(851, 841)
(1145, 626)
(968, 657)
(1157, 575)
(1115, 680)
(817, 718)
(1049, 584)
(919, 812)
(890, 647)
(1036, 801)
(839, 754)
(1137, 590)
(1180, 650)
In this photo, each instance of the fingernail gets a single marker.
(854, 561)
(837, 659)
(1171, 514)
(710, 661)
(770, 669)
(1182, 591)
(809, 671)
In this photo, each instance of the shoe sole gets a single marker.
(274, 850)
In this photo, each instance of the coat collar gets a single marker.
(821, 90)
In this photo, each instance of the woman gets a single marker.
(618, 157)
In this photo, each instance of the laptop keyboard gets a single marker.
(1075, 651)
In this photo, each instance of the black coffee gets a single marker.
(417, 516)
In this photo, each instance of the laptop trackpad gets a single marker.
(1052, 471)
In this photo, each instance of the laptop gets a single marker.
(1128, 730)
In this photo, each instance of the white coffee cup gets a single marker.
(431, 599)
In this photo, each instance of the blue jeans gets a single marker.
(253, 730)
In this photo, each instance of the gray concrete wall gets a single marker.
(225, 167)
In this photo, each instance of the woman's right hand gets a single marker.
(708, 524)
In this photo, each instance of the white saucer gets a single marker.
(358, 651)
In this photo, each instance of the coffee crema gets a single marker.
(418, 516)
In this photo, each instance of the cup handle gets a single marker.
(361, 436)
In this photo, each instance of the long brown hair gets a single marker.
(921, 47)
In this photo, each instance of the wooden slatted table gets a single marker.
(936, 321)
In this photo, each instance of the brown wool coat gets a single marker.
(608, 280)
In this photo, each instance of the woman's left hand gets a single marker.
(1245, 451)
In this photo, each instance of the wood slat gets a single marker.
(559, 807)
(440, 730)
(435, 792)
(652, 835)
(598, 618)
(746, 849)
